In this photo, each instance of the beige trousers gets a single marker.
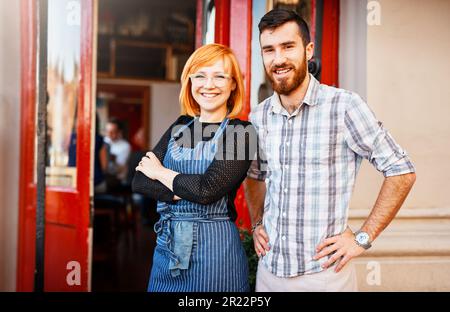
(324, 281)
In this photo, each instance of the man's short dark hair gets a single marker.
(278, 17)
(116, 122)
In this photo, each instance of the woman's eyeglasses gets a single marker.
(219, 80)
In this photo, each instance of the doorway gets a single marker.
(142, 46)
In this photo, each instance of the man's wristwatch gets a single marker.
(363, 239)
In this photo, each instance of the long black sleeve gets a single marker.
(153, 188)
(224, 175)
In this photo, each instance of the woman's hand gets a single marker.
(150, 166)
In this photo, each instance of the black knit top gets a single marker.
(223, 176)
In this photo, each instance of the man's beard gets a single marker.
(286, 85)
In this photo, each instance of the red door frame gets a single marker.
(330, 40)
(232, 17)
(68, 212)
(240, 40)
(223, 19)
(199, 24)
(27, 190)
(330, 43)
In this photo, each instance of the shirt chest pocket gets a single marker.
(321, 151)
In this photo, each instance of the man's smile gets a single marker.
(281, 72)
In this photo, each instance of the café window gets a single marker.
(63, 81)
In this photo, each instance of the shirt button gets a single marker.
(287, 144)
(290, 121)
(284, 214)
(283, 237)
(285, 190)
(286, 167)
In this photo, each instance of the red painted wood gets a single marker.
(222, 26)
(67, 210)
(27, 197)
(233, 28)
(58, 255)
(240, 41)
(85, 128)
(130, 115)
(199, 25)
(312, 27)
(330, 43)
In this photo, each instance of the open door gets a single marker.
(70, 87)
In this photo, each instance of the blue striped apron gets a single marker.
(198, 247)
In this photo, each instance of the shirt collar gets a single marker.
(310, 98)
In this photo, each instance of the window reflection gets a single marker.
(63, 77)
(209, 21)
(302, 7)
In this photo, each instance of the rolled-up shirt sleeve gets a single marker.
(367, 137)
(257, 169)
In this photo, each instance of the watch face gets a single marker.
(362, 238)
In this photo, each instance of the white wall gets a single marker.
(408, 89)
(9, 140)
(258, 72)
(164, 108)
(353, 46)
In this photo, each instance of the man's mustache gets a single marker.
(281, 66)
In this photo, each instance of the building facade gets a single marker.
(393, 53)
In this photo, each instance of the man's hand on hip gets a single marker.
(344, 247)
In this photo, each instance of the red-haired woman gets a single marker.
(194, 172)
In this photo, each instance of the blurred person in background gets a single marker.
(119, 153)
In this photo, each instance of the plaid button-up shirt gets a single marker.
(309, 161)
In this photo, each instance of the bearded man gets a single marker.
(312, 139)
